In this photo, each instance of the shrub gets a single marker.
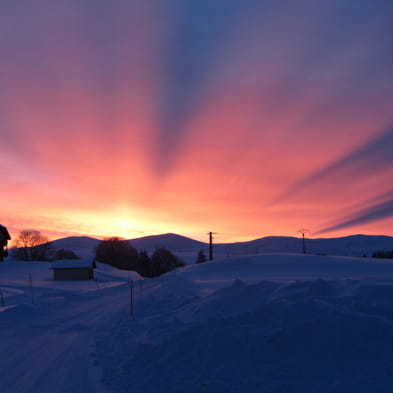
(383, 254)
(201, 257)
(65, 254)
(163, 261)
(145, 264)
(117, 252)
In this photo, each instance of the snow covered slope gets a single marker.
(268, 323)
(357, 245)
(171, 241)
(83, 246)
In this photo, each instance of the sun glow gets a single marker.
(126, 229)
(142, 120)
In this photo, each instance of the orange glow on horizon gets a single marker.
(124, 123)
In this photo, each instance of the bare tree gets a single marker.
(31, 245)
(303, 232)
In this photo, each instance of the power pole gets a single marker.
(211, 245)
(303, 232)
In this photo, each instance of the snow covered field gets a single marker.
(265, 323)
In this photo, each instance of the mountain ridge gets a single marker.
(352, 245)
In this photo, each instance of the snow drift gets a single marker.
(273, 323)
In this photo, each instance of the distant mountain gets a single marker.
(83, 246)
(356, 245)
(168, 240)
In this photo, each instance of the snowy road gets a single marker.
(52, 349)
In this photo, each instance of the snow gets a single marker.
(83, 246)
(263, 323)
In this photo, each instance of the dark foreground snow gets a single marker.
(233, 326)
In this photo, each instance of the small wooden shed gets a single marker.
(4, 237)
(73, 270)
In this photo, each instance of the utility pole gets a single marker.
(211, 245)
(303, 232)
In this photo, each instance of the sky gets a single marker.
(248, 118)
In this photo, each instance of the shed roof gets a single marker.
(72, 264)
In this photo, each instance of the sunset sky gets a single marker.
(249, 118)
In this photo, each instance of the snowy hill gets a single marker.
(83, 246)
(357, 245)
(264, 323)
(171, 241)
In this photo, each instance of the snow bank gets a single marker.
(269, 323)
(268, 337)
(287, 267)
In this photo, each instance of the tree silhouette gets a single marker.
(65, 254)
(145, 264)
(31, 245)
(163, 261)
(201, 257)
(117, 252)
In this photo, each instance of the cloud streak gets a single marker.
(374, 156)
(196, 34)
(191, 114)
(372, 213)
